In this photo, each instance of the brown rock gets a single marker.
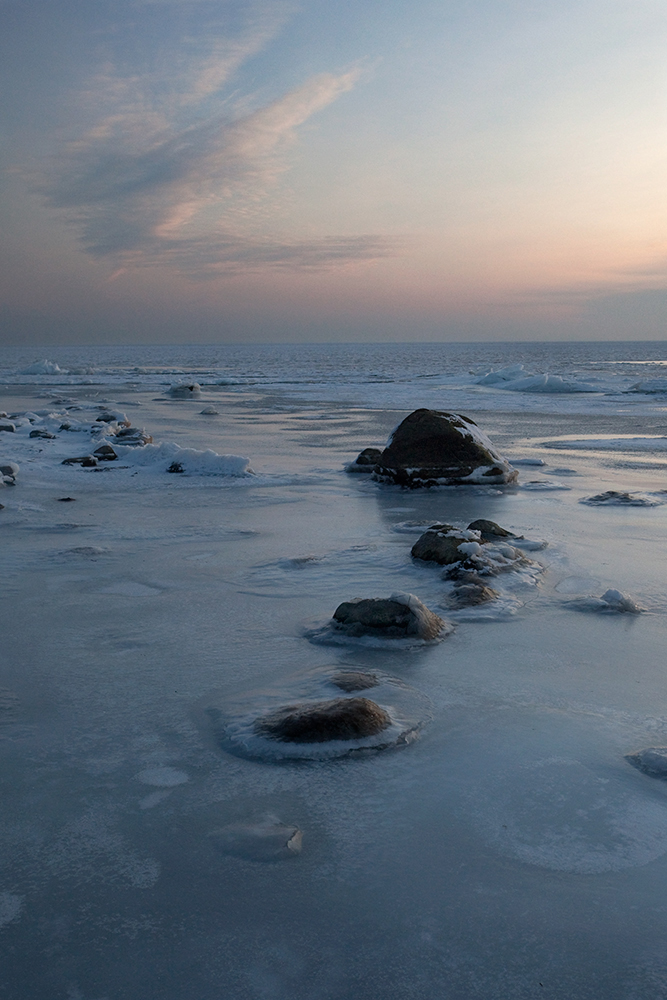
(433, 447)
(354, 680)
(397, 617)
(318, 722)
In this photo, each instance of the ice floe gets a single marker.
(612, 602)
(618, 498)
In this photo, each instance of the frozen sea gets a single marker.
(507, 852)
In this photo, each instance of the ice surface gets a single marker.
(143, 626)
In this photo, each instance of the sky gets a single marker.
(207, 171)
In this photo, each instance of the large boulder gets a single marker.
(435, 448)
(400, 616)
(318, 722)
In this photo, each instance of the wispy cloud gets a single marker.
(177, 175)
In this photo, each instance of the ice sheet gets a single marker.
(502, 848)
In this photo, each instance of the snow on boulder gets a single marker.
(436, 448)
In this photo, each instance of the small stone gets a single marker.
(66, 499)
(365, 461)
(318, 722)
(105, 453)
(354, 680)
(209, 411)
(87, 461)
(467, 595)
(175, 467)
(40, 432)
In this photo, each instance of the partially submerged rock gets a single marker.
(400, 616)
(471, 594)
(267, 840)
(436, 448)
(365, 461)
(464, 550)
(652, 760)
(618, 498)
(441, 544)
(318, 722)
(354, 680)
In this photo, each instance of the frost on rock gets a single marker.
(435, 448)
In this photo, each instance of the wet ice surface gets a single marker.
(509, 844)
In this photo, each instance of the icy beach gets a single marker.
(486, 837)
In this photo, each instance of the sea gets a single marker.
(497, 844)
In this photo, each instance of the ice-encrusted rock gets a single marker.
(87, 461)
(489, 530)
(611, 602)
(7, 425)
(437, 448)
(365, 461)
(41, 432)
(319, 722)
(354, 680)
(136, 437)
(652, 760)
(469, 594)
(9, 469)
(398, 616)
(267, 840)
(441, 544)
(209, 411)
(618, 498)
(185, 390)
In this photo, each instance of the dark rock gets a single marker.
(66, 499)
(651, 761)
(10, 469)
(105, 453)
(468, 595)
(2, 506)
(317, 722)
(354, 680)
(435, 448)
(489, 530)
(365, 461)
(399, 616)
(440, 543)
(40, 432)
(7, 427)
(175, 467)
(87, 461)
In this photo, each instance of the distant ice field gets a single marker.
(494, 840)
